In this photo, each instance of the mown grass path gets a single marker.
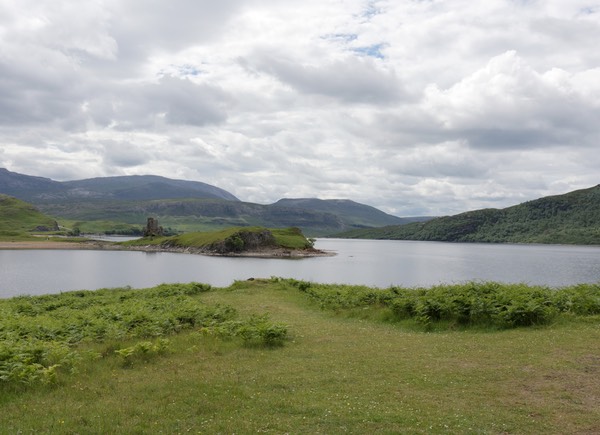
(335, 375)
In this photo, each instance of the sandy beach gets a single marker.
(52, 244)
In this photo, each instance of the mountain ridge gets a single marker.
(130, 187)
(185, 205)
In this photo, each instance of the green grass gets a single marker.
(291, 238)
(339, 371)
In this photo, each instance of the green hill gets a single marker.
(572, 218)
(18, 218)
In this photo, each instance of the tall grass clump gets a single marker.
(487, 304)
(472, 304)
(582, 299)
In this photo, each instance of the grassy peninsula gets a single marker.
(256, 241)
(286, 356)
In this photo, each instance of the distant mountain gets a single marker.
(185, 205)
(26, 187)
(145, 187)
(572, 218)
(130, 188)
(18, 217)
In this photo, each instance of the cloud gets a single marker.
(169, 101)
(449, 159)
(507, 104)
(147, 25)
(350, 79)
(416, 107)
(124, 154)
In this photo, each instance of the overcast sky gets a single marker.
(417, 107)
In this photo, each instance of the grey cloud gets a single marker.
(438, 164)
(352, 79)
(55, 59)
(39, 87)
(190, 104)
(123, 154)
(176, 101)
(142, 26)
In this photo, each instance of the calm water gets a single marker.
(375, 263)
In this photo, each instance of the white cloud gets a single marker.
(417, 107)
(507, 104)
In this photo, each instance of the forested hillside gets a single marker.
(572, 218)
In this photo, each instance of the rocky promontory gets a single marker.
(238, 242)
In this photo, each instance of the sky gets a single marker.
(416, 107)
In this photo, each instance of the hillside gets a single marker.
(572, 218)
(19, 218)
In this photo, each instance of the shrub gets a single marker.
(255, 331)
(469, 304)
(143, 350)
(34, 361)
(582, 299)
(234, 243)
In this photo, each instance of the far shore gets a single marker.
(110, 246)
(51, 244)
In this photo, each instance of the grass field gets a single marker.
(339, 371)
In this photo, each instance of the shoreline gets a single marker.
(99, 245)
